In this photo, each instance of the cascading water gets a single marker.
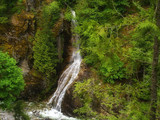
(65, 81)
(69, 75)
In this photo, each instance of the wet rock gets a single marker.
(34, 85)
(64, 43)
(25, 67)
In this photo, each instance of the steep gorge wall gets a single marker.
(17, 38)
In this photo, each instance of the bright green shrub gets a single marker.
(11, 80)
(113, 70)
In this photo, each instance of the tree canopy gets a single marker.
(11, 80)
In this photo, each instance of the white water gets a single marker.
(69, 75)
(52, 114)
(65, 81)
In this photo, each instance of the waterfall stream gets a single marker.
(65, 81)
(69, 75)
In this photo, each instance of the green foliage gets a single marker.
(113, 70)
(7, 8)
(68, 15)
(19, 111)
(118, 102)
(142, 50)
(69, 3)
(45, 51)
(104, 46)
(11, 80)
(101, 10)
(119, 46)
(142, 38)
(136, 110)
(85, 92)
(3, 20)
(145, 2)
(50, 14)
(100, 45)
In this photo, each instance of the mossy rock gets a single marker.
(57, 27)
(18, 49)
(23, 21)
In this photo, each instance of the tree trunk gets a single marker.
(155, 69)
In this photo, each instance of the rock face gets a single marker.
(62, 32)
(25, 67)
(17, 38)
(23, 22)
(30, 5)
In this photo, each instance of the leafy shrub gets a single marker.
(113, 70)
(11, 80)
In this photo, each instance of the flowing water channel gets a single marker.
(69, 75)
(64, 82)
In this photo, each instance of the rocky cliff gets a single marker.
(17, 38)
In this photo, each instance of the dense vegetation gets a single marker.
(11, 81)
(7, 8)
(116, 42)
(45, 53)
(45, 50)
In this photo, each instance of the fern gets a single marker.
(148, 26)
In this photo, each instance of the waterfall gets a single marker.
(70, 74)
(64, 82)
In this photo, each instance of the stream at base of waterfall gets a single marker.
(48, 114)
(64, 82)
